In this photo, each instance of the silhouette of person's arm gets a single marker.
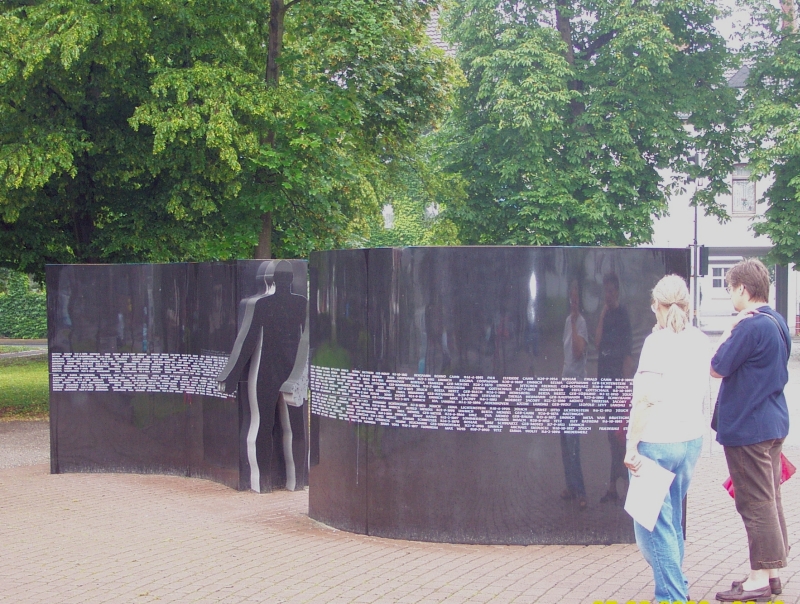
(246, 341)
(598, 334)
(628, 363)
(294, 389)
(578, 343)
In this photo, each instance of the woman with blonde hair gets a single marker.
(667, 424)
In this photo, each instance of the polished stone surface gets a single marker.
(135, 351)
(442, 406)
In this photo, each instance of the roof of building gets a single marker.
(739, 78)
(434, 32)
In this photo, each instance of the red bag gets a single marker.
(787, 471)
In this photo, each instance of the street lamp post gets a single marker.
(695, 159)
(695, 264)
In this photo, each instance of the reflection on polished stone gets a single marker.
(477, 395)
(135, 352)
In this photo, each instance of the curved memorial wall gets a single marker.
(136, 351)
(447, 401)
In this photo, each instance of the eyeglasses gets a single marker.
(729, 288)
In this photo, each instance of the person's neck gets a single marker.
(752, 305)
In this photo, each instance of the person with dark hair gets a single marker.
(613, 338)
(752, 420)
(576, 338)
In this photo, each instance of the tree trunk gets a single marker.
(789, 19)
(565, 29)
(264, 248)
(83, 231)
(277, 11)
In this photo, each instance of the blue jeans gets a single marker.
(571, 456)
(663, 547)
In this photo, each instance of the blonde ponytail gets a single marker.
(671, 292)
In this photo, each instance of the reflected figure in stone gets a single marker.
(614, 342)
(272, 348)
(576, 339)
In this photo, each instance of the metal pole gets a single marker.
(695, 266)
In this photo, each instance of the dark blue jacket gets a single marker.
(751, 407)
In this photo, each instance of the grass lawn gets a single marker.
(24, 388)
(14, 348)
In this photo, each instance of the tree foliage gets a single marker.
(144, 130)
(419, 191)
(23, 310)
(573, 112)
(772, 115)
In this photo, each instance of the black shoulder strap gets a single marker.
(780, 331)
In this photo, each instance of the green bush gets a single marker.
(23, 312)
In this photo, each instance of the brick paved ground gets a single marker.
(129, 538)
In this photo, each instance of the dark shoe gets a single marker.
(774, 585)
(737, 594)
(610, 496)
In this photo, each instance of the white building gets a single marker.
(727, 243)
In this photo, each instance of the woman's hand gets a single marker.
(633, 461)
(738, 318)
(743, 314)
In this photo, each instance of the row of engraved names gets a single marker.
(127, 372)
(451, 389)
(123, 362)
(471, 418)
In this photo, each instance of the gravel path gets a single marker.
(24, 443)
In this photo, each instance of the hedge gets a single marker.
(23, 312)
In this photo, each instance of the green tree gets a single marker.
(148, 130)
(573, 113)
(772, 115)
(419, 190)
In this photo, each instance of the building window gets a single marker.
(388, 216)
(744, 191)
(718, 277)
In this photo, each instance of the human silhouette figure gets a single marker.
(267, 345)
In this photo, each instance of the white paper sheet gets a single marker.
(646, 493)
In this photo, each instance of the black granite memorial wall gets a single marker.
(135, 355)
(446, 400)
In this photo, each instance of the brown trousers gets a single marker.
(756, 474)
